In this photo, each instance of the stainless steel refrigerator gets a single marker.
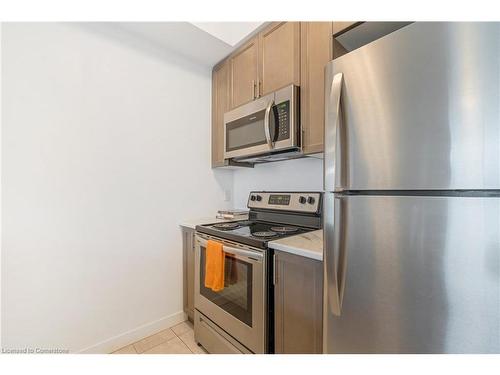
(412, 193)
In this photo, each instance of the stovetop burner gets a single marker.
(284, 229)
(265, 234)
(227, 226)
(251, 232)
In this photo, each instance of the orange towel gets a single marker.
(214, 266)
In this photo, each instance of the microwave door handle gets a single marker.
(267, 131)
(276, 124)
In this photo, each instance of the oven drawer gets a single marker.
(214, 339)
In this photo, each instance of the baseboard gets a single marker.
(129, 337)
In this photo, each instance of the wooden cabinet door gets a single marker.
(316, 52)
(244, 74)
(221, 79)
(298, 304)
(279, 56)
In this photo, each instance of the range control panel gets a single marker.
(308, 202)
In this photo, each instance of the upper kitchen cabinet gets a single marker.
(338, 28)
(266, 63)
(221, 102)
(316, 52)
(348, 36)
(283, 53)
(279, 56)
(244, 73)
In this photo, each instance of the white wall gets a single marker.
(105, 148)
(293, 175)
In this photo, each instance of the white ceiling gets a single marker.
(206, 43)
(229, 32)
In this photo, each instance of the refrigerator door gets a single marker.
(412, 274)
(419, 109)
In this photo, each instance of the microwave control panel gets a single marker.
(282, 111)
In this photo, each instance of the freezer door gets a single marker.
(413, 275)
(419, 109)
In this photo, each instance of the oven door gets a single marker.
(239, 308)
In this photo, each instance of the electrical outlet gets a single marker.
(227, 195)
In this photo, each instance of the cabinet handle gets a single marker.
(260, 89)
(254, 86)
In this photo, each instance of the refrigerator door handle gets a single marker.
(333, 94)
(334, 258)
(340, 243)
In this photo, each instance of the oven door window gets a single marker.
(246, 132)
(236, 297)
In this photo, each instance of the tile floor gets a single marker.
(176, 340)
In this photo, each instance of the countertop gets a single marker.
(309, 245)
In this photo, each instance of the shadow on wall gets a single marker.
(116, 32)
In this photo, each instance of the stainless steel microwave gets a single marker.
(265, 129)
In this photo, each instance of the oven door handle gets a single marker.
(252, 255)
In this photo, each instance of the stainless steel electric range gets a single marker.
(239, 318)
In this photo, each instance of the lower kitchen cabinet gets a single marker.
(298, 299)
(188, 245)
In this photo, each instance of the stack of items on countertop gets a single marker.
(232, 214)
